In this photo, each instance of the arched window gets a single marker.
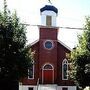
(48, 67)
(65, 69)
(31, 71)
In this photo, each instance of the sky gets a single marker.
(71, 13)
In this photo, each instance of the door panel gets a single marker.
(47, 76)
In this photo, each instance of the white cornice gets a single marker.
(31, 44)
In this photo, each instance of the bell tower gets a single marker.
(48, 15)
(48, 28)
(48, 45)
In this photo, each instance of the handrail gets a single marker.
(37, 83)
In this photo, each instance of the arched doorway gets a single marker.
(47, 74)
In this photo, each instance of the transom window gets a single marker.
(65, 69)
(48, 66)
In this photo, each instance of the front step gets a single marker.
(47, 87)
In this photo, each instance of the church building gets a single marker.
(49, 70)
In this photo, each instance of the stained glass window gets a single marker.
(48, 44)
(31, 71)
(65, 69)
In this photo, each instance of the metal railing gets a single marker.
(37, 83)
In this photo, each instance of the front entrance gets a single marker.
(47, 74)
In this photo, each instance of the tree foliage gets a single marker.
(80, 58)
(14, 60)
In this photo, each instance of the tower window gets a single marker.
(48, 20)
(48, 44)
(65, 69)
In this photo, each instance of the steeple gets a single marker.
(48, 15)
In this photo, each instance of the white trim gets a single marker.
(69, 87)
(47, 69)
(65, 61)
(25, 87)
(65, 45)
(33, 72)
(31, 44)
(50, 13)
(40, 87)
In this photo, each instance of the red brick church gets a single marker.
(50, 64)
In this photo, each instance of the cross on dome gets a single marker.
(50, 1)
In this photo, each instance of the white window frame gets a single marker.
(33, 72)
(65, 61)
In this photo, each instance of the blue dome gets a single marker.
(49, 8)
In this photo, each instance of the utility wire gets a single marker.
(57, 26)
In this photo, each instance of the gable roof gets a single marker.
(33, 43)
(64, 45)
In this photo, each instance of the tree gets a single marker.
(14, 60)
(80, 58)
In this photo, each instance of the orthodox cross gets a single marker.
(50, 1)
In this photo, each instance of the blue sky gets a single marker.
(71, 14)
